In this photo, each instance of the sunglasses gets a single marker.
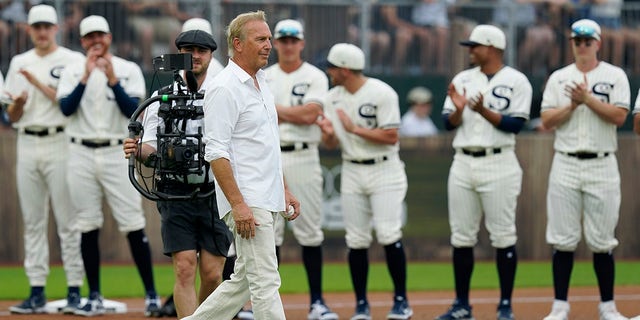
(578, 41)
(583, 31)
(289, 32)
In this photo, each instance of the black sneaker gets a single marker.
(400, 310)
(362, 311)
(73, 303)
(152, 307)
(505, 312)
(93, 307)
(457, 311)
(33, 304)
(169, 308)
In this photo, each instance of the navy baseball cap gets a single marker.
(196, 38)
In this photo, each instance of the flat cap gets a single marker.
(196, 38)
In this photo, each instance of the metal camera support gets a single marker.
(179, 155)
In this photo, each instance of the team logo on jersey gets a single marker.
(56, 72)
(602, 90)
(368, 113)
(502, 98)
(297, 93)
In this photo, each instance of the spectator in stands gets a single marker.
(427, 24)
(398, 18)
(607, 13)
(416, 122)
(13, 27)
(377, 34)
(154, 21)
(432, 18)
(533, 32)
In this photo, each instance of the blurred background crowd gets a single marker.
(401, 37)
(408, 43)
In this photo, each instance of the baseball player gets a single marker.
(98, 94)
(42, 158)
(416, 122)
(585, 102)
(298, 88)
(363, 116)
(487, 105)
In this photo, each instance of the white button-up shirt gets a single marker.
(241, 125)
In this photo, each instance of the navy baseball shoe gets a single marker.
(320, 311)
(362, 311)
(457, 311)
(505, 312)
(73, 303)
(400, 310)
(93, 307)
(33, 304)
(152, 307)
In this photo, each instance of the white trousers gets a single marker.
(255, 276)
(41, 176)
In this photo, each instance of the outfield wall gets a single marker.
(427, 231)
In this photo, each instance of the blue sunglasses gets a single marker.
(584, 32)
(289, 32)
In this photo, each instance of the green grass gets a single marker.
(123, 281)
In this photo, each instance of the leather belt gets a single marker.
(587, 155)
(97, 143)
(370, 161)
(294, 147)
(481, 153)
(42, 131)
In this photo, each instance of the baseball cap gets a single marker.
(486, 35)
(585, 28)
(197, 38)
(93, 24)
(42, 13)
(289, 28)
(346, 55)
(197, 24)
(419, 95)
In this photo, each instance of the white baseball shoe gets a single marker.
(559, 311)
(608, 311)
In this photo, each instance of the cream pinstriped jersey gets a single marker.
(99, 116)
(586, 131)
(38, 109)
(374, 105)
(306, 84)
(636, 107)
(508, 92)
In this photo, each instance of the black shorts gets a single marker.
(193, 225)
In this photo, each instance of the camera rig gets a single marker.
(179, 158)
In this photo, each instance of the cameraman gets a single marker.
(189, 227)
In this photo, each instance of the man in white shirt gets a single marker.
(416, 122)
(243, 147)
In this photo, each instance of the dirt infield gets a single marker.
(529, 304)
